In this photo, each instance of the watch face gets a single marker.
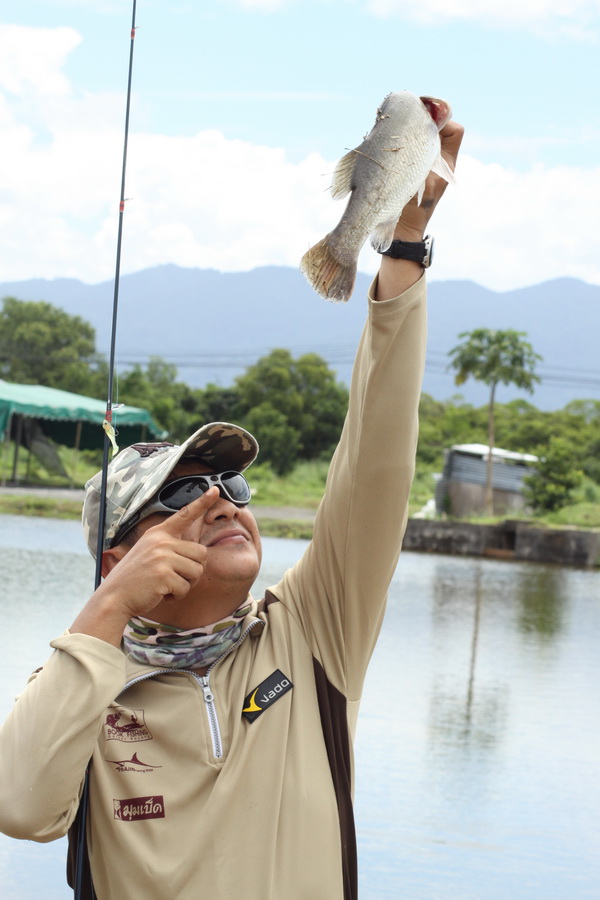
(428, 257)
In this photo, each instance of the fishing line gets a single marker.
(109, 441)
(109, 430)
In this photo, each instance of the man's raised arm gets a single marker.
(337, 591)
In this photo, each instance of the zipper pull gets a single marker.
(208, 694)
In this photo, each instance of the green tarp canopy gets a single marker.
(71, 419)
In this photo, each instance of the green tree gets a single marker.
(279, 442)
(156, 388)
(216, 404)
(551, 485)
(41, 344)
(446, 422)
(494, 357)
(304, 393)
(584, 416)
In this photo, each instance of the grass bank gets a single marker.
(303, 488)
(45, 507)
(24, 505)
(284, 528)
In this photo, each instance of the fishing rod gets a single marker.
(109, 430)
(81, 869)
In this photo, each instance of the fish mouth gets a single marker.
(439, 110)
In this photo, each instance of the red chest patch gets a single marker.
(134, 809)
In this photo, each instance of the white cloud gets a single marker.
(211, 202)
(576, 19)
(529, 148)
(505, 229)
(570, 17)
(208, 201)
(32, 58)
(221, 96)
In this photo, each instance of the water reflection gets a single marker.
(541, 592)
(463, 713)
(542, 598)
(482, 603)
(474, 642)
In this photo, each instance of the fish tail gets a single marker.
(329, 277)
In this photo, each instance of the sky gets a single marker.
(241, 108)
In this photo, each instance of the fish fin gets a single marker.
(441, 168)
(327, 275)
(342, 176)
(383, 235)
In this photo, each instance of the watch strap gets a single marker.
(418, 251)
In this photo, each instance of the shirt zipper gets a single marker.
(209, 699)
(204, 681)
(213, 721)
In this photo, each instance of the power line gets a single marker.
(335, 355)
(229, 362)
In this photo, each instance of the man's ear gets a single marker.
(111, 557)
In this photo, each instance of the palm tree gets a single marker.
(494, 357)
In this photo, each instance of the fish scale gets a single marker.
(381, 175)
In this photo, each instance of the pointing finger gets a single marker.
(193, 512)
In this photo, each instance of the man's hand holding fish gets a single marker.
(397, 275)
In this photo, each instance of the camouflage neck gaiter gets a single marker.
(166, 646)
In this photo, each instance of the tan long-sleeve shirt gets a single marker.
(238, 783)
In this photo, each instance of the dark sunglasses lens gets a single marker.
(236, 487)
(180, 493)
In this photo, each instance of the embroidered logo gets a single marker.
(126, 725)
(148, 449)
(137, 808)
(268, 691)
(132, 765)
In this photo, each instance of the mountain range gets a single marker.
(212, 324)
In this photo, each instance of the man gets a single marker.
(220, 729)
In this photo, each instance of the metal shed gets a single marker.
(461, 489)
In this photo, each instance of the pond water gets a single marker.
(478, 744)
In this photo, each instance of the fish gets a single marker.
(381, 175)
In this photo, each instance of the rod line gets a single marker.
(113, 336)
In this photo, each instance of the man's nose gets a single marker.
(222, 509)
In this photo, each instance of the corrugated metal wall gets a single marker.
(473, 470)
(461, 468)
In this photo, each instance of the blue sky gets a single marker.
(241, 109)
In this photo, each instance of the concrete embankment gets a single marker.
(506, 540)
(511, 539)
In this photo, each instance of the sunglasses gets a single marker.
(176, 494)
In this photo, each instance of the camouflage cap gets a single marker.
(137, 472)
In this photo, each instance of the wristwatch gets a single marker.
(419, 251)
